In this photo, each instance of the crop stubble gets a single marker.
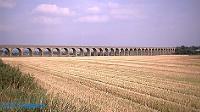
(140, 83)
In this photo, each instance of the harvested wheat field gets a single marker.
(124, 84)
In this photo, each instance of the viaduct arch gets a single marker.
(65, 51)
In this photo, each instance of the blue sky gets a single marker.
(100, 22)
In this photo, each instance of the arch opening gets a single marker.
(168, 51)
(100, 52)
(72, 52)
(152, 52)
(56, 52)
(117, 52)
(64, 52)
(164, 51)
(47, 52)
(143, 52)
(94, 52)
(5, 52)
(38, 52)
(126, 52)
(87, 53)
(16, 52)
(122, 52)
(171, 51)
(139, 51)
(106, 52)
(174, 50)
(27, 52)
(156, 51)
(131, 52)
(146, 51)
(112, 52)
(80, 52)
(135, 52)
(159, 51)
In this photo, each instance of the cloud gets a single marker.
(53, 14)
(50, 14)
(94, 9)
(113, 5)
(7, 3)
(119, 11)
(47, 20)
(123, 13)
(93, 19)
(53, 9)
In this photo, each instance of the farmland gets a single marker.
(123, 83)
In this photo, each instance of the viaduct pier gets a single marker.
(64, 51)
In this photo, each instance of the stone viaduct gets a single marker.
(34, 50)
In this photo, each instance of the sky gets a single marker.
(141, 23)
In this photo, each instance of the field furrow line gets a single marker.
(92, 85)
(136, 106)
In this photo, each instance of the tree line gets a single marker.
(191, 50)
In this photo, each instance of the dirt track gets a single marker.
(140, 83)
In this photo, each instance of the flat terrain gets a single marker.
(138, 83)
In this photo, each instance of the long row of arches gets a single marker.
(84, 51)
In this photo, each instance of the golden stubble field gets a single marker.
(128, 84)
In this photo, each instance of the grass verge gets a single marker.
(20, 92)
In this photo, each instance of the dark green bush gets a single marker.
(193, 50)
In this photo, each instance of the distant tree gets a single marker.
(193, 50)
